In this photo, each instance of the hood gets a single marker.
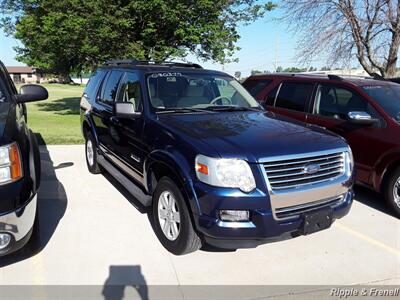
(4, 110)
(253, 136)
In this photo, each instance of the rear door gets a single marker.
(331, 105)
(255, 87)
(102, 112)
(292, 99)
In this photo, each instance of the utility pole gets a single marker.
(276, 51)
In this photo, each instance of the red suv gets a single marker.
(365, 111)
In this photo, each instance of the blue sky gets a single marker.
(258, 44)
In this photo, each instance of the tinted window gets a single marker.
(256, 86)
(111, 87)
(94, 84)
(336, 102)
(388, 97)
(2, 96)
(131, 91)
(270, 99)
(293, 95)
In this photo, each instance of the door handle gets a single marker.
(115, 121)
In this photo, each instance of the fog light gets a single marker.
(5, 239)
(234, 215)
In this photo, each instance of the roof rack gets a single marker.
(134, 62)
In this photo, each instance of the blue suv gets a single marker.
(211, 164)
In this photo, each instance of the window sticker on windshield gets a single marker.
(368, 87)
(171, 79)
(166, 74)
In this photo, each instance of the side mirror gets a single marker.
(125, 110)
(361, 117)
(31, 93)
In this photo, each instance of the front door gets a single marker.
(128, 141)
(331, 106)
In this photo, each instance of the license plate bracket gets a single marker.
(317, 220)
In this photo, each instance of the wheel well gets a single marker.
(389, 171)
(85, 129)
(158, 171)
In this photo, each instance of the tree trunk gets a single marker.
(64, 78)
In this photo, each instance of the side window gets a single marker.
(111, 88)
(2, 96)
(270, 99)
(254, 87)
(294, 95)
(131, 91)
(336, 102)
(94, 84)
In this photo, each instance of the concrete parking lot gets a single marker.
(92, 234)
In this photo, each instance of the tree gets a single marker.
(73, 35)
(368, 30)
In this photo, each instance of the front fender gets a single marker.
(383, 165)
(181, 169)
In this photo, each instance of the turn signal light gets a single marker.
(202, 168)
(10, 164)
(15, 162)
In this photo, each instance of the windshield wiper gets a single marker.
(183, 110)
(231, 108)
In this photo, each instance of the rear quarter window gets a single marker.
(254, 87)
(94, 84)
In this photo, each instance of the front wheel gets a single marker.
(393, 192)
(171, 219)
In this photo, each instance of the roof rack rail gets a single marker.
(135, 62)
(334, 77)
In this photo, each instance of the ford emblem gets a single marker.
(311, 169)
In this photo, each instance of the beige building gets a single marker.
(26, 75)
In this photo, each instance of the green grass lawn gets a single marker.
(56, 120)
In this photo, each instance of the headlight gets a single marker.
(225, 172)
(349, 162)
(10, 163)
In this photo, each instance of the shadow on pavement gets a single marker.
(372, 199)
(121, 277)
(135, 202)
(52, 204)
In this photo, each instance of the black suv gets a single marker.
(212, 164)
(19, 164)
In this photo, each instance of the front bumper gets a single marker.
(264, 225)
(18, 224)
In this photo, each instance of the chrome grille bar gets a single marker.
(293, 173)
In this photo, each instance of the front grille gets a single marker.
(292, 173)
(294, 211)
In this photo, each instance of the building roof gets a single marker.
(21, 70)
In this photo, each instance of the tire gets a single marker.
(91, 155)
(168, 199)
(392, 192)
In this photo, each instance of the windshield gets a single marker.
(388, 96)
(180, 91)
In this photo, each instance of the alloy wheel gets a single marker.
(396, 192)
(169, 216)
(90, 152)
